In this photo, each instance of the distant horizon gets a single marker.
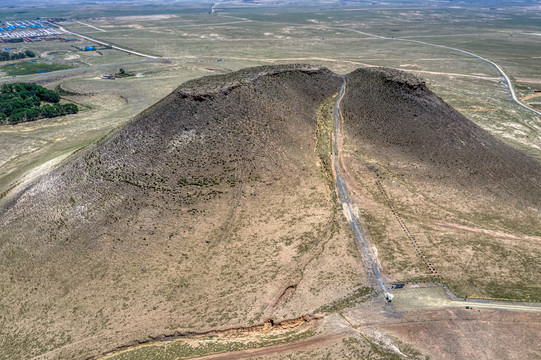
(203, 3)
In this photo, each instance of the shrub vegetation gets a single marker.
(6, 55)
(20, 102)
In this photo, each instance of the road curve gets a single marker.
(509, 84)
(360, 238)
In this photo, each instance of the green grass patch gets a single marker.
(27, 67)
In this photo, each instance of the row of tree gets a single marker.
(21, 102)
(34, 113)
(6, 56)
(25, 90)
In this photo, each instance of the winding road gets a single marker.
(508, 82)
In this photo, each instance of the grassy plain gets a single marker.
(29, 67)
(245, 38)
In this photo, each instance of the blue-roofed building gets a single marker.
(2, 29)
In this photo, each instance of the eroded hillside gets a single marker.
(210, 210)
(215, 209)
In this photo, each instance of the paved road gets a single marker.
(426, 298)
(360, 238)
(90, 26)
(508, 82)
(106, 44)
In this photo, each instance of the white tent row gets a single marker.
(30, 33)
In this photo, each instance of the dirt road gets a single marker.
(310, 343)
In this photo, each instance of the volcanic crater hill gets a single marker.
(210, 210)
(215, 208)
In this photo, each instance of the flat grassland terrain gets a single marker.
(252, 224)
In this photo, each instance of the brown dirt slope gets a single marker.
(419, 167)
(207, 211)
(214, 209)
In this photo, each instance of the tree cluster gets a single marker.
(21, 102)
(6, 56)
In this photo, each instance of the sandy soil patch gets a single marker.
(135, 26)
(470, 334)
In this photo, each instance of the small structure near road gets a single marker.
(108, 77)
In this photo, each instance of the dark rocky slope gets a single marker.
(208, 209)
(196, 215)
(454, 201)
(398, 121)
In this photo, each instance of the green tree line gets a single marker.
(6, 56)
(21, 102)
